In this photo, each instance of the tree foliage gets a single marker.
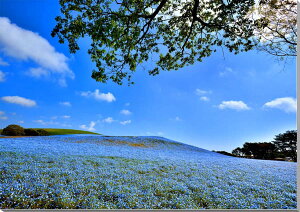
(277, 29)
(31, 132)
(238, 152)
(42, 132)
(263, 150)
(13, 130)
(286, 143)
(283, 146)
(171, 33)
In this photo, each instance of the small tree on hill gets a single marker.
(42, 132)
(13, 130)
(31, 132)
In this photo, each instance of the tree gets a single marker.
(42, 132)
(172, 33)
(238, 152)
(265, 150)
(286, 143)
(31, 132)
(13, 130)
(277, 29)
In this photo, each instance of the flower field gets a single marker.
(100, 172)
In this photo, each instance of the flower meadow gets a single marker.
(123, 172)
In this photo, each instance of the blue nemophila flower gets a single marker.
(136, 172)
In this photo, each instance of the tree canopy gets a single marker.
(286, 143)
(171, 33)
(277, 29)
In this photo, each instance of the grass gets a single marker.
(53, 131)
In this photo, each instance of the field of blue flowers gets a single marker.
(104, 172)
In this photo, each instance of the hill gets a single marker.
(54, 131)
(57, 131)
(136, 172)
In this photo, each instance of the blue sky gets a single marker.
(218, 104)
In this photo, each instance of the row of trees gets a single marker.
(16, 130)
(284, 145)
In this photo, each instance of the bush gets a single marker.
(13, 130)
(31, 132)
(42, 132)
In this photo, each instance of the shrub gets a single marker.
(42, 132)
(13, 130)
(31, 132)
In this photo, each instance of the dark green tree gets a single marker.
(238, 152)
(286, 143)
(13, 130)
(42, 132)
(263, 150)
(172, 33)
(31, 132)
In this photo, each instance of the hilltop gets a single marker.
(56, 131)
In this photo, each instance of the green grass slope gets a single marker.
(53, 131)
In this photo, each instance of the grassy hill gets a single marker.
(54, 131)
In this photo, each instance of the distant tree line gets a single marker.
(16, 130)
(283, 147)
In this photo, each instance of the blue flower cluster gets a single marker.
(104, 172)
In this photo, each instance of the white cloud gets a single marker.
(67, 104)
(3, 63)
(90, 127)
(108, 120)
(2, 76)
(287, 104)
(66, 117)
(227, 71)
(2, 116)
(235, 105)
(19, 100)
(109, 97)
(54, 117)
(21, 122)
(125, 122)
(38, 72)
(127, 104)
(200, 92)
(203, 94)
(176, 119)
(125, 112)
(46, 122)
(66, 125)
(26, 45)
(204, 98)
